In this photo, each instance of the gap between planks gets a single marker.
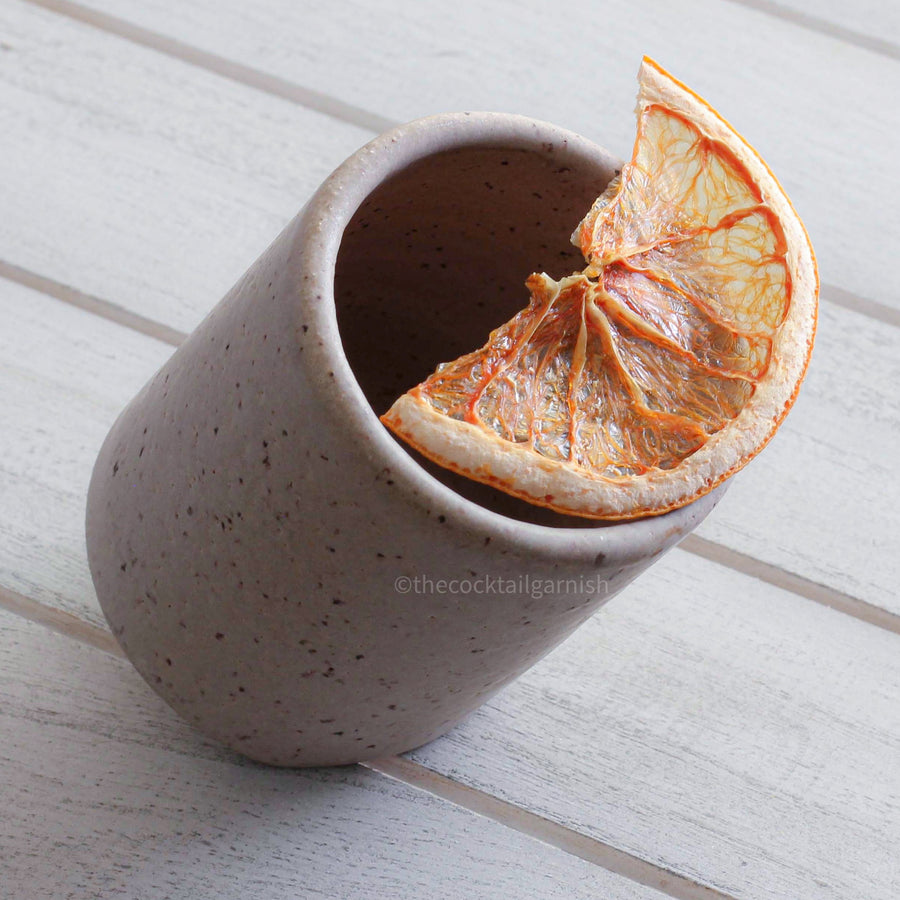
(61, 622)
(822, 26)
(354, 115)
(788, 581)
(417, 776)
(403, 770)
(545, 830)
(219, 65)
(91, 304)
(711, 550)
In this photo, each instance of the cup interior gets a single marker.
(436, 257)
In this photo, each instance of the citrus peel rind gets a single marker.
(640, 384)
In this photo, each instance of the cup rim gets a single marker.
(318, 238)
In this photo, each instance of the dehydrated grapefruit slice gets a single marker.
(641, 383)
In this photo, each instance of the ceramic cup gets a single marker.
(285, 574)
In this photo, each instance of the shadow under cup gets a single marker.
(436, 257)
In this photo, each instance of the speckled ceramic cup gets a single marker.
(279, 569)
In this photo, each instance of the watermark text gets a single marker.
(524, 585)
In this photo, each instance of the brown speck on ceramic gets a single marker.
(378, 268)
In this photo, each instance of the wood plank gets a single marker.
(106, 793)
(811, 103)
(64, 377)
(717, 726)
(870, 23)
(725, 729)
(773, 869)
(67, 374)
(823, 499)
(210, 244)
(144, 181)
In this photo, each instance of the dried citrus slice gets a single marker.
(641, 383)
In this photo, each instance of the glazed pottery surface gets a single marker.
(277, 567)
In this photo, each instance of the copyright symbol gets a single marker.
(403, 584)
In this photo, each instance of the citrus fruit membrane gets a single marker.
(639, 384)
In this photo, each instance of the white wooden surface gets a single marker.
(125, 800)
(211, 169)
(64, 376)
(133, 161)
(813, 105)
(724, 730)
(874, 24)
(708, 733)
(726, 643)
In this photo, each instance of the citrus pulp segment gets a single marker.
(641, 383)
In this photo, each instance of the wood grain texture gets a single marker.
(140, 180)
(720, 726)
(106, 794)
(60, 621)
(823, 499)
(200, 155)
(64, 377)
(67, 374)
(543, 829)
(723, 729)
(711, 724)
(813, 105)
(872, 24)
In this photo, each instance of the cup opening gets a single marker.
(436, 256)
